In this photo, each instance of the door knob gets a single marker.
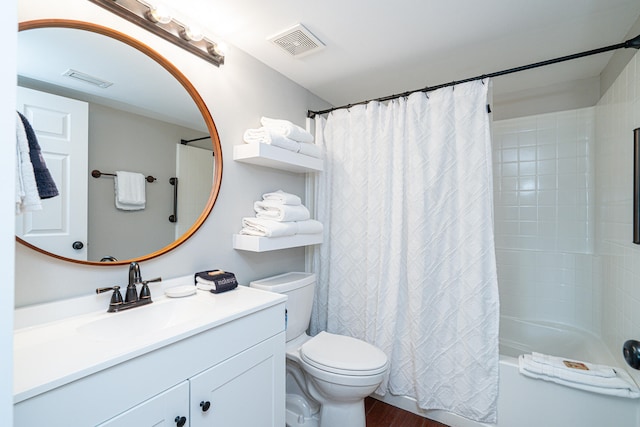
(77, 245)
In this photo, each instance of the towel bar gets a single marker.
(97, 174)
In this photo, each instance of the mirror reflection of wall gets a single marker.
(124, 141)
(137, 130)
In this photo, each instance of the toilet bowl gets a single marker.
(329, 375)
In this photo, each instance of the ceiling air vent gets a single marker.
(86, 78)
(298, 41)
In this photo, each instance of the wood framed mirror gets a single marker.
(113, 55)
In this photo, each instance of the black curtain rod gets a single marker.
(631, 43)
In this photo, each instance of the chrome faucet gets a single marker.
(131, 297)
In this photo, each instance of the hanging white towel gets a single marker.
(280, 212)
(26, 189)
(288, 129)
(621, 385)
(282, 198)
(130, 191)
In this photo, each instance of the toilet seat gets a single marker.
(343, 355)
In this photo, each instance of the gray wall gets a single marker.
(237, 95)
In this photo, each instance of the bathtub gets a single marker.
(526, 402)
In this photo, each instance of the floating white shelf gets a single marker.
(264, 244)
(277, 158)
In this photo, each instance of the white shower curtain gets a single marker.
(408, 261)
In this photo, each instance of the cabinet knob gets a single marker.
(205, 405)
(180, 421)
(77, 245)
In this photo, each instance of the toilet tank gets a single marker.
(299, 290)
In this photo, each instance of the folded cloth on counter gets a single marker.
(46, 185)
(584, 368)
(620, 385)
(282, 197)
(26, 190)
(269, 228)
(216, 281)
(279, 212)
(288, 129)
(130, 190)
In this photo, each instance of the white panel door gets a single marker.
(168, 409)
(194, 169)
(247, 390)
(61, 125)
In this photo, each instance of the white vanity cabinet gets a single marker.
(233, 366)
(169, 408)
(220, 395)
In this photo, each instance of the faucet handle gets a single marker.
(116, 297)
(145, 293)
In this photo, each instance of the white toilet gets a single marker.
(328, 376)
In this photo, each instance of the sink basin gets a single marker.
(144, 320)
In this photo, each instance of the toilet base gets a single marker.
(349, 414)
(300, 413)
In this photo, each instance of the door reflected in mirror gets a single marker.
(148, 119)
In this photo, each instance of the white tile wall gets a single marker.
(544, 210)
(618, 113)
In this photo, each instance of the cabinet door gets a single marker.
(165, 409)
(246, 390)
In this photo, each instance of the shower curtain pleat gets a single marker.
(408, 262)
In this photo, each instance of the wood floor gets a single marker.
(379, 414)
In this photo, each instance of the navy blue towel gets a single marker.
(220, 281)
(45, 183)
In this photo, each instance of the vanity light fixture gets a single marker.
(157, 19)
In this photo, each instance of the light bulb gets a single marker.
(191, 33)
(158, 14)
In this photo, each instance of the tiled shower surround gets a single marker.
(563, 215)
(544, 217)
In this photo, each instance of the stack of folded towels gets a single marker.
(582, 375)
(283, 134)
(280, 214)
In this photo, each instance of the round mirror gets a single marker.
(103, 104)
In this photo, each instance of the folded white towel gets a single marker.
(288, 129)
(270, 228)
(265, 136)
(27, 198)
(309, 226)
(280, 212)
(129, 190)
(577, 366)
(311, 150)
(267, 227)
(282, 198)
(620, 385)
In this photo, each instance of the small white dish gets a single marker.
(180, 291)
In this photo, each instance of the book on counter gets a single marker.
(216, 280)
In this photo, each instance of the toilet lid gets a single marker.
(343, 355)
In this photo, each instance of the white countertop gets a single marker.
(51, 350)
